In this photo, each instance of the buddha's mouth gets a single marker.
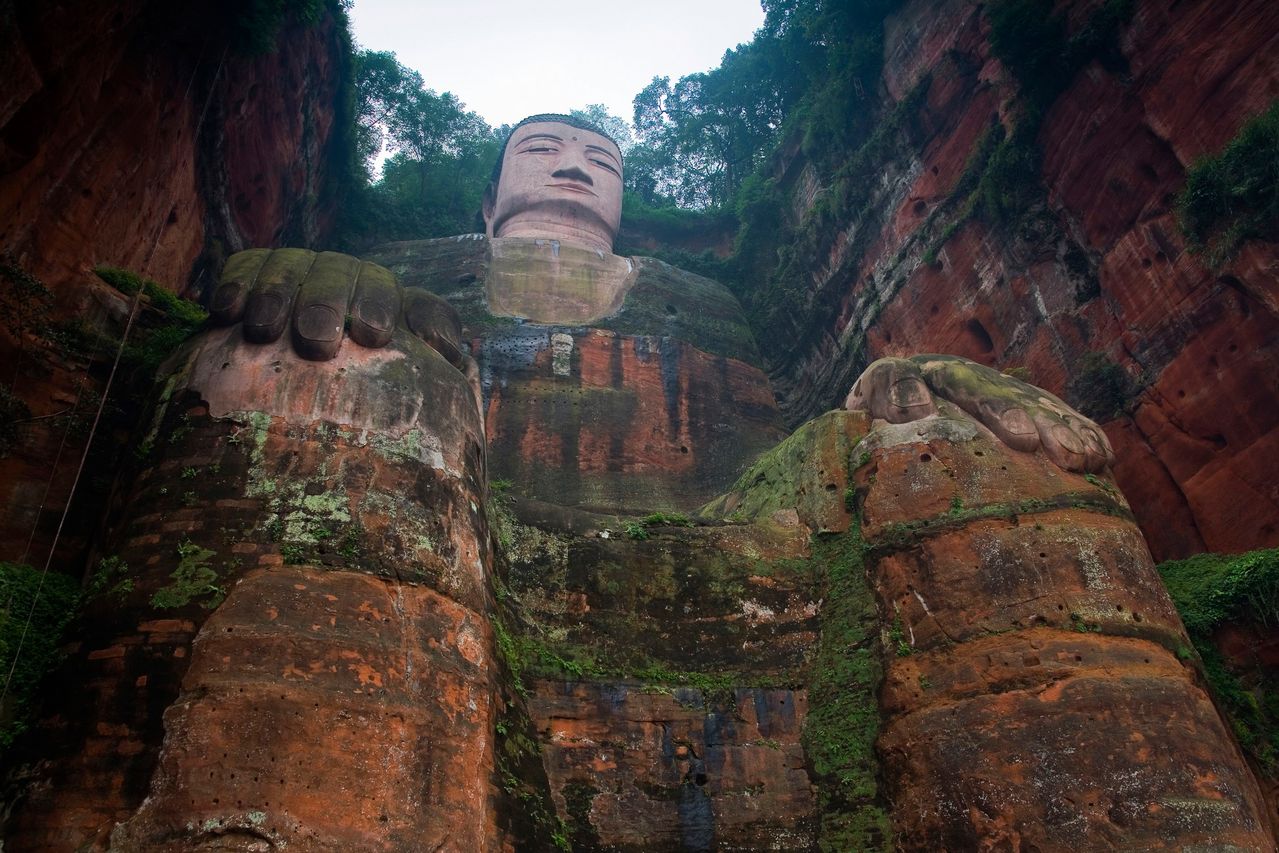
(573, 187)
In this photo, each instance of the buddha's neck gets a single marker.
(571, 235)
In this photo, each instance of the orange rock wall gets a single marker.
(1040, 691)
(297, 648)
(1104, 268)
(138, 135)
(621, 422)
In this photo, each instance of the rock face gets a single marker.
(1038, 683)
(140, 136)
(670, 699)
(305, 563)
(1099, 275)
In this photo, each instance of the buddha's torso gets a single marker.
(610, 383)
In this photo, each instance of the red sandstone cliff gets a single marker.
(141, 135)
(1102, 268)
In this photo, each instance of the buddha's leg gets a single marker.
(1040, 692)
(307, 608)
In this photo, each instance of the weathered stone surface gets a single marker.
(1039, 687)
(1070, 762)
(617, 422)
(344, 693)
(328, 710)
(808, 473)
(668, 677)
(634, 769)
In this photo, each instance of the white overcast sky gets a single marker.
(506, 59)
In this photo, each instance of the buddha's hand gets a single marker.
(900, 390)
(321, 298)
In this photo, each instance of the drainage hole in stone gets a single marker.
(700, 779)
(924, 457)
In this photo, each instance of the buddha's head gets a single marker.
(558, 177)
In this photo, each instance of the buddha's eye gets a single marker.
(540, 149)
(607, 166)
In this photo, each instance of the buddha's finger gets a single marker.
(271, 300)
(375, 306)
(1061, 442)
(436, 322)
(232, 292)
(319, 315)
(892, 389)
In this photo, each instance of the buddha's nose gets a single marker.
(573, 173)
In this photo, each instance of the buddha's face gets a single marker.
(559, 182)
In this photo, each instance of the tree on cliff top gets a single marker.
(441, 155)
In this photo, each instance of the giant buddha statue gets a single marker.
(314, 649)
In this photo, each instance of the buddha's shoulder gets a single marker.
(438, 264)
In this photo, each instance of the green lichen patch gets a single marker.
(194, 580)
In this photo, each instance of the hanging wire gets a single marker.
(115, 365)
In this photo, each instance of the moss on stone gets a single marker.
(1215, 590)
(843, 712)
(796, 474)
(35, 609)
(194, 580)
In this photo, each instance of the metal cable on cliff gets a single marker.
(106, 393)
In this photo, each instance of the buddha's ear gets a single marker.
(487, 207)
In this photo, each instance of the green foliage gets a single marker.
(25, 303)
(153, 339)
(59, 598)
(843, 713)
(111, 579)
(779, 302)
(1101, 389)
(443, 156)
(13, 413)
(256, 24)
(1211, 590)
(1031, 40)
(173, 307)
(1233, 196)
(636, 530)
